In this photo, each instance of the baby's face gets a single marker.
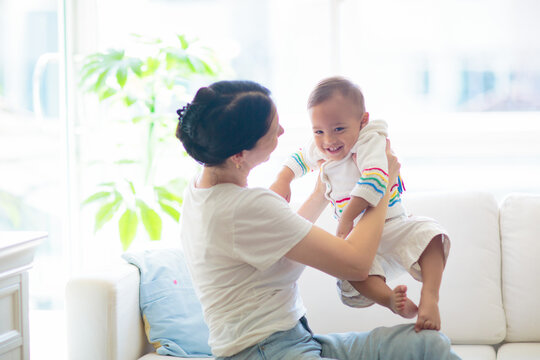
(336, 125)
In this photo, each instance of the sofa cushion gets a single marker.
(475, 352)
(170, 308)
(520, 241)
(470, 297)
(522, 351)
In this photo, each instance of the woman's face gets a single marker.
(265, 145)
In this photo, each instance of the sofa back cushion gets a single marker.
(520, 234)
(470, 298)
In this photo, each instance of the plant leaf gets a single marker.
(127, 227)
(88, 70)
(176, 59)
(126, 161)
(138, 119)
(165, 194)
(129, 100)
(183, 42)
(107, 93)
(107, 184)
(152, 64)
(96, 196)
(131, 186)
(114, 55)
(121, 75)
(106, 212)
(100, 82)
(170, 210)
(150, 219)
(208, 68)
(146, 40)
(99, 66)
(135, 66)
(194, 64)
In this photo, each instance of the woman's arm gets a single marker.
(348, 259)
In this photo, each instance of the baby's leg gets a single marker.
(375, 288)
(432, 265)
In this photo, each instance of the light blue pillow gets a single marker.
(170, 308)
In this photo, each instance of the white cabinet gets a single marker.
(16, 256)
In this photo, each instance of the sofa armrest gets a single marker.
(103, 316)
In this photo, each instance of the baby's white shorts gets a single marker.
(403, 241)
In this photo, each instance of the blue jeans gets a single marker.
(391, 343)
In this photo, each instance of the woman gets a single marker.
(246, 248)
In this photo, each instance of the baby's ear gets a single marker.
(365, 120)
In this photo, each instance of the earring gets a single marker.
(238, 166)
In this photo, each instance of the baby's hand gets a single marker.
(282, 188)
(344, 228)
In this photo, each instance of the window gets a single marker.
(457, 81)
(253, 40)
(33, 151)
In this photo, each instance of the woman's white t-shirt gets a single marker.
(235, 239)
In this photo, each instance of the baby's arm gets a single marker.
(282, 184)
(370, 188)
(315, 203)
(373, 167)
(354, 208)
(297, 165)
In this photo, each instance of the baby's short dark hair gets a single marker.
(328, 87)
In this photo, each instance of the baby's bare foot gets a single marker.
(401, 304)
(428, 314)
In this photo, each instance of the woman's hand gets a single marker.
(393, 164)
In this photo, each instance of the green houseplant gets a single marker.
(137, 83)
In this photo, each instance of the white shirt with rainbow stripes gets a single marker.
(367, 177)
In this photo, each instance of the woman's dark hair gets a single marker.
(328, 87)
(223, 119)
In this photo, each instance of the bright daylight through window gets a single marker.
(88, 100)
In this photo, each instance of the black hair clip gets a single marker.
(182, 112)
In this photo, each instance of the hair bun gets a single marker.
(205, 94)
(224, 119)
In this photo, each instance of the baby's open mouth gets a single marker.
(334, 149)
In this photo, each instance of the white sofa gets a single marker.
(489, 297)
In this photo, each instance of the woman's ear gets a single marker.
(238, 159)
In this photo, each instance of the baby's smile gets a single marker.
(334, 151)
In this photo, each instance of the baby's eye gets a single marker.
(338, 129)
(318, 132)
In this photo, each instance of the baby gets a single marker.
(352, 152)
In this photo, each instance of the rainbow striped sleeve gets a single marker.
(395, 192)
(298, 163)
(372, 185)
(339, 205)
